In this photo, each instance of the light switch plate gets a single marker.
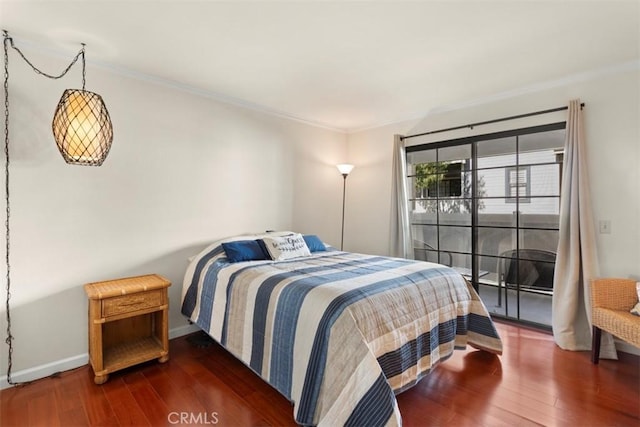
(605, 227)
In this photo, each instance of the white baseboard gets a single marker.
(183, 330)
(73, 362)
(45, 370)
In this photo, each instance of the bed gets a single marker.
(337, 333)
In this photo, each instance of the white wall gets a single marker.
(613, 151)
(183, 170)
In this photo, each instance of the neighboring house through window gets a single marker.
(518, 184)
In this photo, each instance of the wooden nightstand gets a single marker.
(128, 323)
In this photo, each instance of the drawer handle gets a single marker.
(131, 303)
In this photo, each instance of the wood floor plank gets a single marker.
(73, 417)
(156, 411)
(67, 392)
(177, 399)
(95, 403)
(13, 408)
(221, 397)
(42, 411)
(533, 383)
(125, 407)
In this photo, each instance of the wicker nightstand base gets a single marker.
(128, 323)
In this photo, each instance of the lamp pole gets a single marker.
(344, 169)
(344, 192)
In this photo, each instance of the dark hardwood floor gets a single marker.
(533, 383)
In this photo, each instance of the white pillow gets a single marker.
(286, 247)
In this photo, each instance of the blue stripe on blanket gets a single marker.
(317, 359)
(288, 310)
(209, 284)
(189, 302)
(399, 360)
(461, 324)
(375, 408)
(263, 297)
(482, 325)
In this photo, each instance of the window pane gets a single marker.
(429, 179)
(518, 184)
(491, 182)
(545, 180)
(545, 240)
(496, 152)
(421, 254)
(455, 212)
(457, 239)
(495, 241)
(496, 213)
(541, 142)
(425, 234)
(460, 153)
(462, 264)
(425, 243)
(423, 211)
(488, 269)
(542, 212)
(537, 157)
(417, 157)
(450, 184)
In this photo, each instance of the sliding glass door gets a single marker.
(488, 206)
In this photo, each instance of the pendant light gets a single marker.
(82, 126)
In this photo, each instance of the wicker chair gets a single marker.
(612, 300)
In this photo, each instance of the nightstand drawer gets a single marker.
(130, 303)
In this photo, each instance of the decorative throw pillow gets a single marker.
(286, 247)
(314, 243)
(636, 310)
(245, 250)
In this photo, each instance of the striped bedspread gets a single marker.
(337, 333)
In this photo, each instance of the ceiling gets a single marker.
(343, 65)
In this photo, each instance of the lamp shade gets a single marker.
(82, 128)
(345, 168)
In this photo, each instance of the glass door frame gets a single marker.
(473, 142)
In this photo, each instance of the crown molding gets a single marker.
(533, 88)
(149, 78)
(171, 84)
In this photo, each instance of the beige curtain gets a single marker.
(576, 262)
(400, 244)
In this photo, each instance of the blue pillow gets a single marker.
(314, 243)
(265, 251)
(244, 250)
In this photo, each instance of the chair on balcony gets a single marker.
(611, 303)
(535, 272)
(421, 251)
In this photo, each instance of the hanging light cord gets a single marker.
(42, 73)
(8, 41)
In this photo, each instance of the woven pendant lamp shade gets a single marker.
(82, 128)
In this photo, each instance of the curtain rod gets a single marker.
(502, 119)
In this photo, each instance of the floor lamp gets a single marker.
(344, 169)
